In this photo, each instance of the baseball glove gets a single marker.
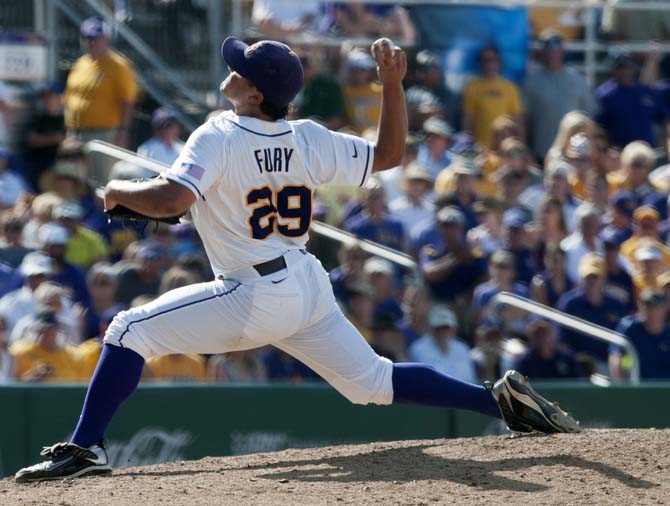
(122, 213)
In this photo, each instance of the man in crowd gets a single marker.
(544, 358)
(628, 109)
(583, 240)
(488, 97)
(35, 269)
(362, 93)
(449, 266)
(100, 93)
(590, 302)
(649, 333)
(39, 357)
(43, 133)
(442, 348)
(373, 222)
(544, 84)
(434, 153)
(414, 205)
(165, 145)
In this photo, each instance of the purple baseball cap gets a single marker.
(95, 27)
(271, 66)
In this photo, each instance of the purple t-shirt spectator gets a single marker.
(628, 113)
(387, 232)
(653, 349)
(562, 365)
(607, 314)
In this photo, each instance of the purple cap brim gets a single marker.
(232, 52)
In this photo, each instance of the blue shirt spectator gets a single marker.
(373, 222)
(8, 279)
(434, 153)
(450, 268)
(515, 240)
(629, 109)
(502, 273)
(590, 302)
(53, 239)
(165, 145)
(649, 333)
(544, 359)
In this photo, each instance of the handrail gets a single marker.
(587, 328)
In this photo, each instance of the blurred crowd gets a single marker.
(551, 190)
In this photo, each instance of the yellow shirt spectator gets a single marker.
(363, 105)
(486, 100)
(177, 368)
(629, 247)
(96, 91)
(87, 355)
(62, 362)
(85, 247)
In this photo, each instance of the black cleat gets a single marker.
(524, 410)
(66, 460)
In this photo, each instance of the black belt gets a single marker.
(274, 265)
(271, 266)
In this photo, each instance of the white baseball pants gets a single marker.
(293, 309)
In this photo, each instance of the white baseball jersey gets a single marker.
(255, 183)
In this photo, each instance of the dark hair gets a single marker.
(489, 49)
(273, 111)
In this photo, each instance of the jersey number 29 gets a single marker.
(291, 211)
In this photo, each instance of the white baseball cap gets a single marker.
(441, 316)
(36, 263)
(376, 265)
(52, 233)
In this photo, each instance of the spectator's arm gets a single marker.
(538, 290)
(649, 73)
(38, 140)
(126, 122)
(437, 270)
(406, 28)
(616, 371)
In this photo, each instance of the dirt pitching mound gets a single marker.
(592, 468)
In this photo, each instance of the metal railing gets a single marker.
(588, 329)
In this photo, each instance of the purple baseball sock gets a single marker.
(116, 377)
(423, 384)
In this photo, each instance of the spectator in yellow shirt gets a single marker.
(84, 246)
(650, 266)
(100, 92)
(645, 233)
(488, 97)
(38, 355)
(176, 368)
(362, 94)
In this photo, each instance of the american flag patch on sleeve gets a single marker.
(193, 170)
